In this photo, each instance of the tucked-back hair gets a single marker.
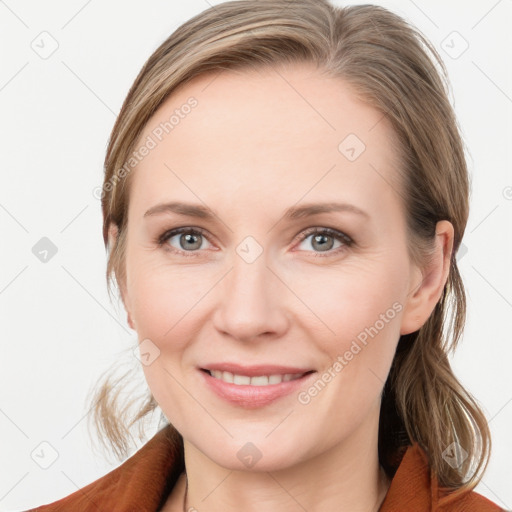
(397, 71)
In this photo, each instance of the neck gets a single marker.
(345, 478)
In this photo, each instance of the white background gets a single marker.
(59, 330)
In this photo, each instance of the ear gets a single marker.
(113, 232)
(427, 283)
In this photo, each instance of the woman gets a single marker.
(285, 193)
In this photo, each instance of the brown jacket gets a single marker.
(143, 482)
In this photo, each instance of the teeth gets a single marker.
(240, 379)
(260, 380)
(274, 379)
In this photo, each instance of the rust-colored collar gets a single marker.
(143, 482)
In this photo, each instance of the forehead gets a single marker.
(251, 134)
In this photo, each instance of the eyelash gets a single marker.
(338, 235)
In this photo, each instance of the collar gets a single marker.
(144, 481)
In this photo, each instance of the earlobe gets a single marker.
(130, 321)
(113, 232)
(428, 283)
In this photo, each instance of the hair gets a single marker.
(396, 70)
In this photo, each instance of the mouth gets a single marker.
(258, 380)
(254, 387)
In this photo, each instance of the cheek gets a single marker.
(360, 312)
(347, 301)
(163, 298)
(349, 386)
(166, 303)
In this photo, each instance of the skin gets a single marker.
(256, 144)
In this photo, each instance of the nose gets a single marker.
(251, 303)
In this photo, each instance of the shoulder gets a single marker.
(140, 483)
(468, 502)
(415, 487)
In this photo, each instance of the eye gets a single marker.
(188, 240)
(323, 240)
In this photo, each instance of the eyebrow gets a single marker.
(292, 213)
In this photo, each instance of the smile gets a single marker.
(259, 380)
(260, 389)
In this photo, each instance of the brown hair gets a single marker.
(395, 70)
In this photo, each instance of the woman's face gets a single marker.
(257, 166)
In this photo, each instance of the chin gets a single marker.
(256, 450)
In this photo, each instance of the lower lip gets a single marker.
(252, 397)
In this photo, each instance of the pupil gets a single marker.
(321, 239)
(190, 239)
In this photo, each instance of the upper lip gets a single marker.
(255, 370)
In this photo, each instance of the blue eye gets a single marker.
(189, 241)
(324, 239)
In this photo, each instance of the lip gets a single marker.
(255, 370)
(253, 397)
